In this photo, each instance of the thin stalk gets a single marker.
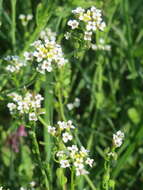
(36, 152)
(13, 26)
(48, 119)
(90, 182)
(61, 105)
(72, 179)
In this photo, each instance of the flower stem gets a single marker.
(72, 179)
(36, 153)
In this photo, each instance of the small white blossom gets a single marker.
(73, 24)
(11, 106)
(87, 36)
(32, 117)
(60, 153)
(81, 171)
(78, 10)
(32, 183)
(52, 130)
(64, 163)
(118, 138)
(70, 106)
(66, 137)
(67, 35)
(89, 162)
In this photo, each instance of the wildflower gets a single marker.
(118, 138)
(79, 163)
(32, 117)
(11, 106)
(14, 139)
(73, 149)
(67, 35)
(60, 153)
(25, 18)
(76, 102)
(66, 137)
(32, 183)
(47, 53)
(89, 162)
(81, 171)
(64, 163)
(70, 106)
(91, 19)
(78, 10)
(28, 104)
(83, 151)
(15, 63)
(28, 55)
(52, 130)
(73, 24)
(87, 36)
(48, 34)
(62, 125)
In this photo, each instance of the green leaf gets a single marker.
(134, 115)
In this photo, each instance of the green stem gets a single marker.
(48, 119)
(13, 27)
(36, 152)
(90, 182)
(72, 179)
(61, 105)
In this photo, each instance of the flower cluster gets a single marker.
(25, 18)
(15, 63)
(101, 45)
(48, 34)
(118, 139)
(70, 156)
(47, 53)
(29, 104)
(91, 19)
(73, 105)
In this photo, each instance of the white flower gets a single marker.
(87, 36)
(11, 106)
(78, 10)
(32, 117)
(60, 153)
(66, 137)
(52, 130)
(91, 26)
(73, 23)
(64, 163)
(22, 16)
(79, 163)
(102, 26)
(76, 102)
(62, 125)
(89, 162)
(22, 188)
(67, 35)
(73, 148)
(70, 125)
(81, 171)
(29, 17)
(28, 55)
(70, 106)
(118, 138)
(32, 183)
